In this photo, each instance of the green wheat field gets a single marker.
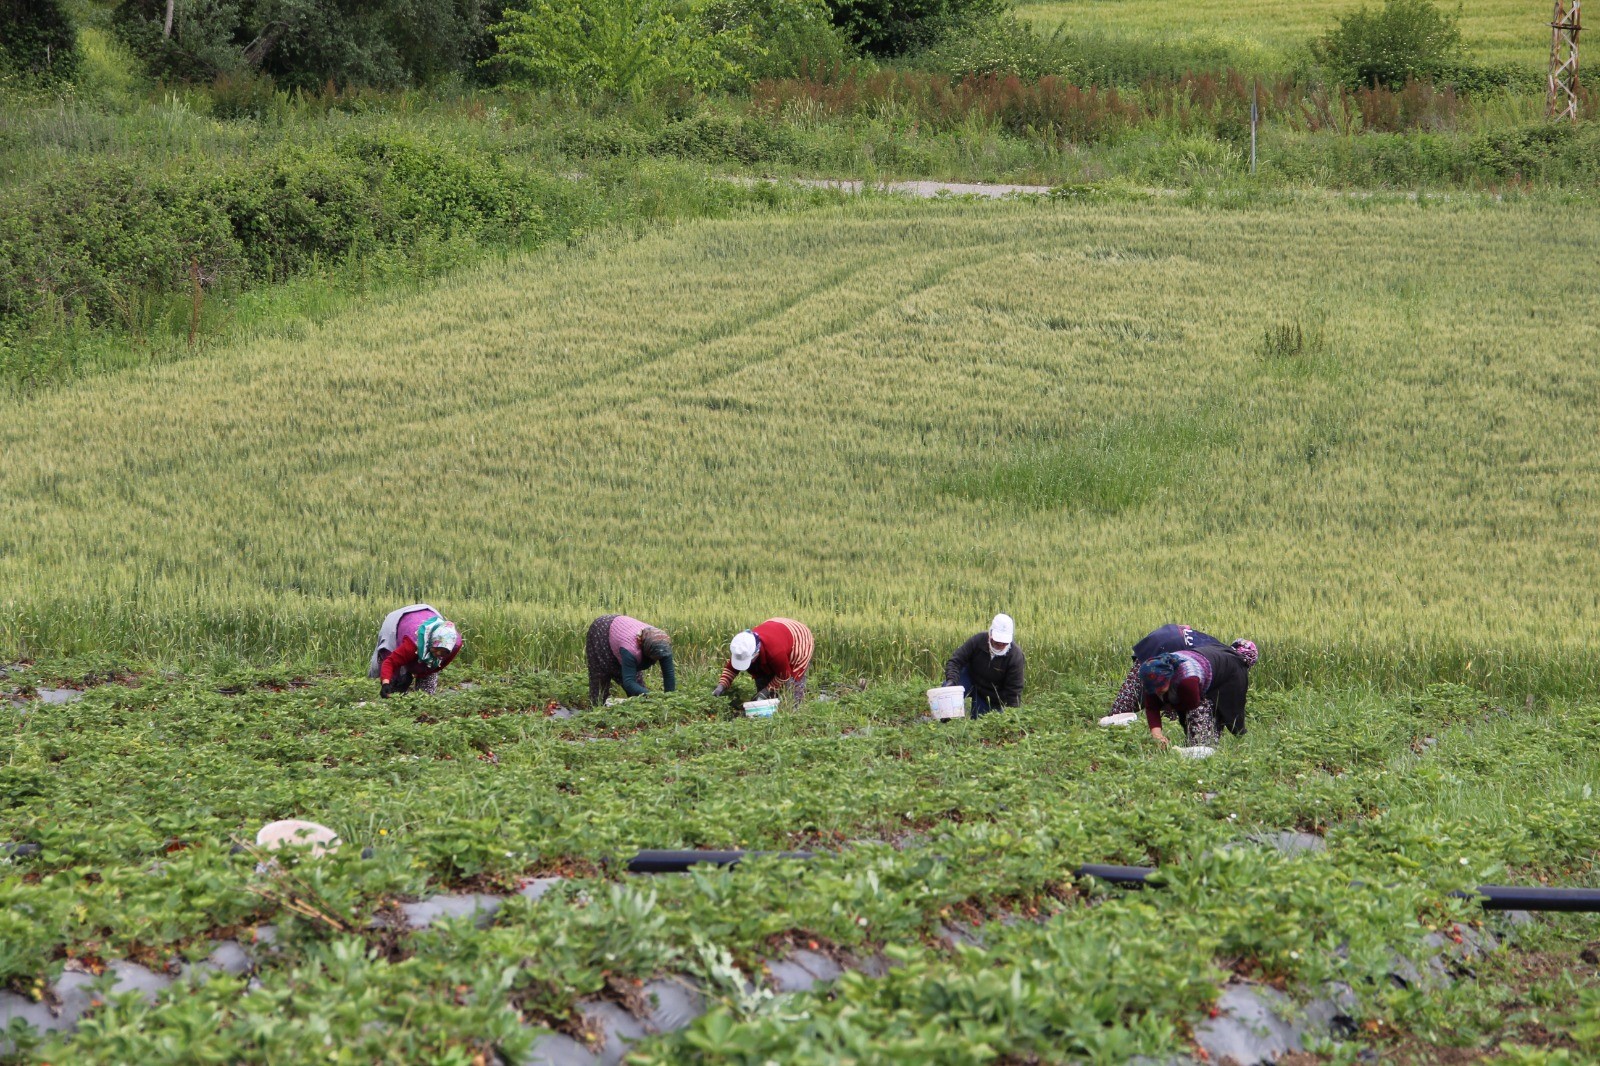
(1361, 433)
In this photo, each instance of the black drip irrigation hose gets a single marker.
(1518, 898)
(1493, 897)
(677, 862)
(1116, 875)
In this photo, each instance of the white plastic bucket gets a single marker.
(760, 708)
(949, 701)
(275, 835)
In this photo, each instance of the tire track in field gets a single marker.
(736, 322)
(366, 452)
(705, 369)
(578, 391)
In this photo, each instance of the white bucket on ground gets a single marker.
(275, 835)
(949, 701)
(760, 708)
(1125, 718)
(1199, 751)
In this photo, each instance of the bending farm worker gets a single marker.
(989, 667)
(776, 651)
(619, 649)
(414, 644)
(1170, 637)
(1201, 687)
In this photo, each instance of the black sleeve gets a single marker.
(960, 658)
(1011, 695)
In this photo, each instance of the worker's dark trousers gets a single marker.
(1230, 683)
(981, 704)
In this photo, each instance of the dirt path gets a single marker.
(928, 189)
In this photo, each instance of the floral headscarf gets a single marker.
(1246, 650)
(435, 638)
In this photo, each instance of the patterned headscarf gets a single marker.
(1156, 673)
(435, 637)
(1246, 650)
(655, 643)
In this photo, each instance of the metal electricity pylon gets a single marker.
(1564, 26)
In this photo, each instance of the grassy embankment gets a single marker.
(1337, 427)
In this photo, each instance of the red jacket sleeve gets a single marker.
(404, 655)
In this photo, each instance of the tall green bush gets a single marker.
(998, 45)
(778, 38)
(618, 48)
(89, 246)
(37, 41)
(1399, 42)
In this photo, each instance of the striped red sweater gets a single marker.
(783, 655)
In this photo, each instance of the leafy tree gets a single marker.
(37, 40)
(305, 43)
(896, 27)
(1402, 41)
(617, 47)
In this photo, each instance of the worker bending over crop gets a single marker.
(776, 651)
(989, 668)
(414, 644)
(1170, 637)
(1202, 687)
(619, 649)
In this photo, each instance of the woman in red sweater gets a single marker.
(414, 644)
(774, 652)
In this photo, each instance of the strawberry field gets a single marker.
(478, 909)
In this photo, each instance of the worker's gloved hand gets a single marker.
(765, 693)
(385, 690)
(720, 690)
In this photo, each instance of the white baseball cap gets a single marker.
(743, 650)
(1002, 629)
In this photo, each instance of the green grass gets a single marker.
(1112, 468)
(1495, 31)
(805, 415)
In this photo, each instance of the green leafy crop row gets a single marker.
(136, 794)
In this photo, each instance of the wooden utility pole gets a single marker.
(1564, 26)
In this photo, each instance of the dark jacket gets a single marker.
(998, 678)
(1172, 637)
